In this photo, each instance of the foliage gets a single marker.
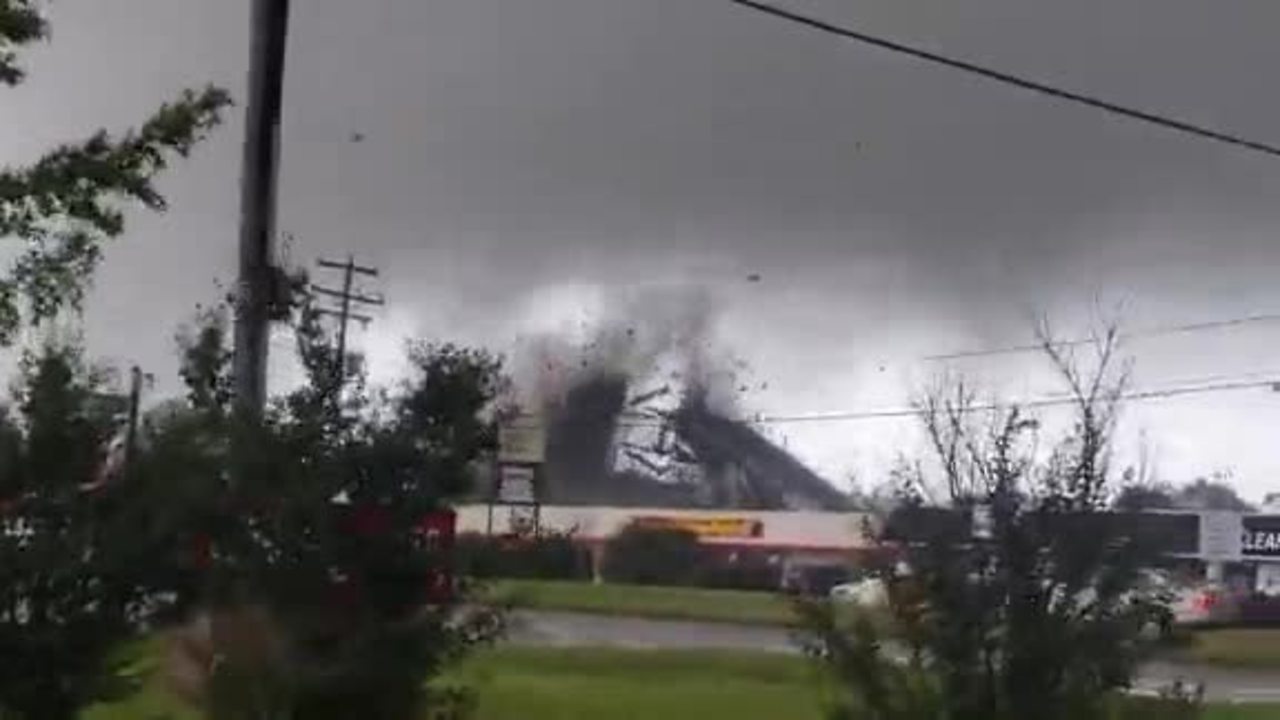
(546, 556)
(70, 588)
(20, 24)
(856, 657)
(1201, 494)
(1212, 494)
(1154, 496)
(652, 556)
(1040, 613)
(310, 528)
(71, 584)
(62, 208)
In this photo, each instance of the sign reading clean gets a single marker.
(1261, 536)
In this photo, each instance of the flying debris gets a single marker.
(604, 448)
(643, 411)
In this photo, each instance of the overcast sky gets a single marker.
(523, 162)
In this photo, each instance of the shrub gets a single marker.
(554, 556)
(1019, 598)
(653, 556)
(326, 545)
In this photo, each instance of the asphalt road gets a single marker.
(556, 629)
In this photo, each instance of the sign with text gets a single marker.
(516, 484)
(1221, 535)
(705, 527)
(522, 441)
(1261, 536)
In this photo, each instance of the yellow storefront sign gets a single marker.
(705, 527)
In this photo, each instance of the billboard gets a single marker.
(516, 484)
(522, 441)
(1221, 535)
(728, 526)
(1261, 536)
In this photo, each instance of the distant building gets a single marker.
(796, 542)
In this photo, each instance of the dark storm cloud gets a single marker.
(553, 138)
(890, 208)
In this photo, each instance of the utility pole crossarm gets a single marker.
(362, 319)
(345, 298)
(330, 264)
(353, 297)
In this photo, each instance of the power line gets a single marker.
(1150, 332)
(1138, 395)
(1010, 79)
(632, 421)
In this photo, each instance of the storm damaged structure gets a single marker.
(605, 448)
(640, 409)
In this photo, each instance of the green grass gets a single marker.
(614, 684)
(1236, 647)
(1243, 712)
(754, 608)
(607, 684)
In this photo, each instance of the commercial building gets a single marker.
(808, 543)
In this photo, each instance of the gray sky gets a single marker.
(523, 159)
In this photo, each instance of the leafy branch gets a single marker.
(63, 207)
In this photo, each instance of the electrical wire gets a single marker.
(1151, 332)
(1011, 79)
(630, 421)
(1137, 395)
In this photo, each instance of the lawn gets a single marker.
(607, 684)
(598, 684)
(614, 684)
(755, 608)
(1233, 647)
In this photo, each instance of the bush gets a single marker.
(319, 608)
(653, 556)
(1025, 599)
(546, 557)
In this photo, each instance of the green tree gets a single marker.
(60, 210)
(1212, 494)
(316, 535)
(1155, 496)
(1018, 597)
(68, 595)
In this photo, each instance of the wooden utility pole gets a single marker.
(259, 172)
(345, 298)
(131, 431)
